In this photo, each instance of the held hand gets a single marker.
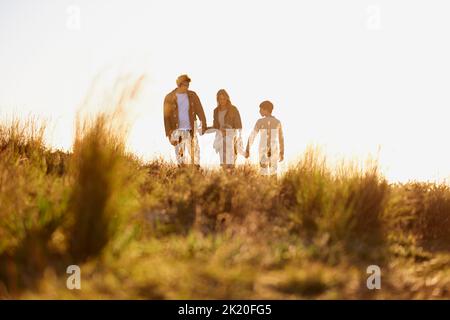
(173, 142)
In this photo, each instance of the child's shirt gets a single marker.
(271, 136)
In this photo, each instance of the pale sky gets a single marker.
(352, 76)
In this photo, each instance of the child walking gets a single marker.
(271, 144)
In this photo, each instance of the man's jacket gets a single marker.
(171, 111)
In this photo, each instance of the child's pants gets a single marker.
(268, 163)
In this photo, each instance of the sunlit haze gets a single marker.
(355, 77)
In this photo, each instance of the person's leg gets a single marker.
(192, 148)
(221, 157)
(263, 170)
(196, 150)
(273, 166)
(230, 147)
(264, 164)
(185, 146)
(234, 149)
(178, 147)
(273, 160)
(223, 153)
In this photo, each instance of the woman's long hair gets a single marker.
(224, 93)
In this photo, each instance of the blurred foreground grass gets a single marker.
(155, 231)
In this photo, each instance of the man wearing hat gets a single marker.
(181, 109)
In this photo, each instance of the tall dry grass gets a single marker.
(32, 202)
(104, 176)
(153, 230)
(344, 206)
(422, 209)
(103, 187)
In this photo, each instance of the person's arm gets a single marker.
(200, 112)
(281, 140)
(167, 116)
(238, 122)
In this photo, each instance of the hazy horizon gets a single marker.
(356, 77)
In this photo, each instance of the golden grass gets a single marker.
(153, 230)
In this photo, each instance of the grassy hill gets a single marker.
(155, 231)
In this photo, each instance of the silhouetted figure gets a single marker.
(228, 125)
(181, 108)
(271, 145)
